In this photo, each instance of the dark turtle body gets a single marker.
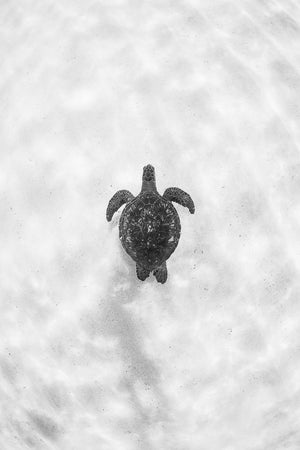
(149, 227)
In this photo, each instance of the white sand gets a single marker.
(209, 93)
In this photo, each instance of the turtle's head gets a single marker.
(148, 173)
(149, 183)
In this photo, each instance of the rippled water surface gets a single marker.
(90, 357)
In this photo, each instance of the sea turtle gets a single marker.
(149, 227)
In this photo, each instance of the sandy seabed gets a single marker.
(209, 93)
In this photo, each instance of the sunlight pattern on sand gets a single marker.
(208, 92)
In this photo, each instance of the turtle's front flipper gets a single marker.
(142, 273)
(174, 194)
(161, 273)
(116, 202)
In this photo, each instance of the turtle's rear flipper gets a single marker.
(161, 273)
(142, 273)
(116, 202)
(174, 194)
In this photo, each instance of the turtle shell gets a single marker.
(149, 229)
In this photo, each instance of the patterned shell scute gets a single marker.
(149, 229)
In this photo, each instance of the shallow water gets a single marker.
(207, 92)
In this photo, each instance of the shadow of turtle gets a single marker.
(141, 375)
